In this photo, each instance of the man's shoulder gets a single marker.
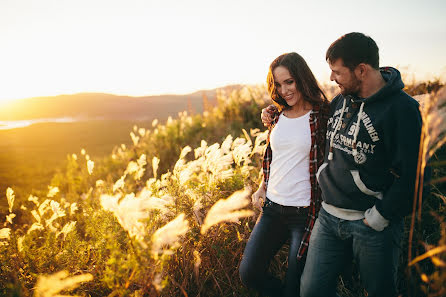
(404, 101)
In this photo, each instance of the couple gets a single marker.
(364, 182)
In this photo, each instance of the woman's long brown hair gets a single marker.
(306, 83)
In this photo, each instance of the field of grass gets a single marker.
(166, 215)
(30, 156)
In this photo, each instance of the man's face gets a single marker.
(345, 78)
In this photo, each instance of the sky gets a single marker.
(146, 47)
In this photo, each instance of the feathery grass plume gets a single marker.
(20, 240)
(44, 207)
(119, 184)
(158, 282)
(183, 175)
(87, 157)
(10, 196)
(10, 217)
(248, 138)
(196, 208)
(135, 139)
(34, 200)
(73, 208)
(428, 254)
(260, 138)
(197, 263)
(215, 161)
(437, 121)
(142, 132)
(155, 163)
(100, 183)
(180, 170)
(52, 285)
(154, 123)
(186, 150)
(169, 235)
(35, 226)
(57, 210)
(90, 166)
(109, 202)
(151, 202)
(74, 157)
(142, 160)
(35, 215)
(227, 210)
(57, 213)
(241, 153)
(52, 191)
(83, 152)
(130, 211)
(164, 181)
(5, 233)
(226, 145)
(132, 167)
(169, 121)
(238, 141)
(433, 111)
(67, 228)
(201, 150)
(189, 169)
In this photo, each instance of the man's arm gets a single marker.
(403, 143)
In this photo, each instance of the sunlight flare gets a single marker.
(228, 210)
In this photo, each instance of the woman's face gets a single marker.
(286, 85)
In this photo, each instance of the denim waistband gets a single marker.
(283, 209)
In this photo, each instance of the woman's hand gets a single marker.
(258, 198)
(268, 114)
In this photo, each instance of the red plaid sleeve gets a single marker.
(318, 127)
(268, 154)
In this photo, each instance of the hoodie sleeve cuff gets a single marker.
(375, 219)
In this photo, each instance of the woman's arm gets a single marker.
(259, 196)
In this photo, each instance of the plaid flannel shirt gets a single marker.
(318, 125)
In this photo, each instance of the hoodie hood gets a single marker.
(393, 84)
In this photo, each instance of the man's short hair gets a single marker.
(354, 48)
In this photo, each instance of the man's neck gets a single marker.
(372, 84)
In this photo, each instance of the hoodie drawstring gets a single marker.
(355, 135)
(338, 126)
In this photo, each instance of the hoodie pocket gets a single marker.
(362, 187)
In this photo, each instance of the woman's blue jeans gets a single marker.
(275, 225)
(376, 253)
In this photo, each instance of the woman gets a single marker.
(289, 194)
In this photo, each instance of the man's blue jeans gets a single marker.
(275, 226)
(377, 255)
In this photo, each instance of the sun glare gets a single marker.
(147, 48)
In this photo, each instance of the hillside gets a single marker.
(104, 106)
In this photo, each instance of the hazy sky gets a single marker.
(143, 47)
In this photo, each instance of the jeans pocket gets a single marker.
(364, 226)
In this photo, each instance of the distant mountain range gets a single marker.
(86, 106)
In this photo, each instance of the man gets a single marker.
(368, 176)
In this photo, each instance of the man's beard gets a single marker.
(353, 88)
